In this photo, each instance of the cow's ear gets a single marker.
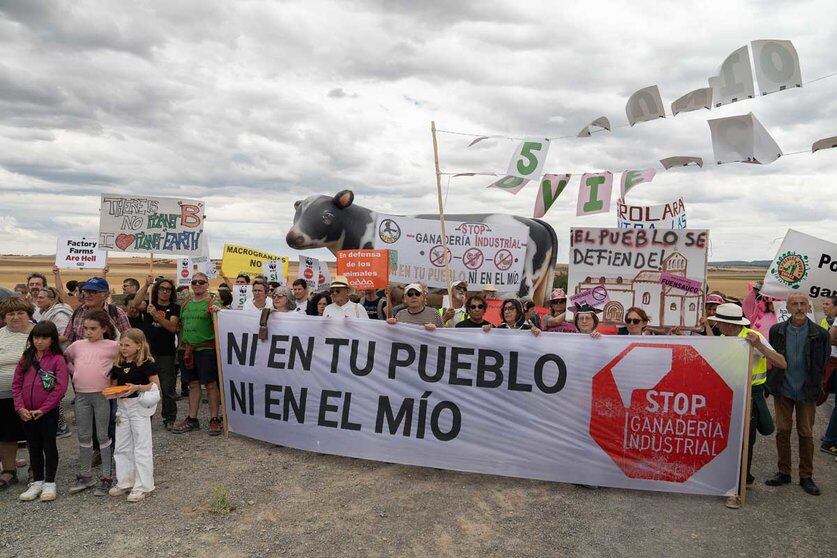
(343, 199)
(297, 203)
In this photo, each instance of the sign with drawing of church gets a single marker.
(639, 267)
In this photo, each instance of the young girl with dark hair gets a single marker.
(90, 361)
(39, 384)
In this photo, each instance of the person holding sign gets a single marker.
(476, 306)
(200, 365)
(730, 321)
(585, 320)
(513, 316)
(457, 311)
(282, 300)
(260, 301)
(556, 320)
(417, 311)
(341, 306)
(636, 320)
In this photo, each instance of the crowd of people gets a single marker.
(122, 354)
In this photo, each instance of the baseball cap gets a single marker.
(416, 286)
(714, 299)
(95, 284)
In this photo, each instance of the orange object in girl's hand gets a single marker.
(114, 391)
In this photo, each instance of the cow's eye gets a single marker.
(328, 218)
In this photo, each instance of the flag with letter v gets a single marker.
(550, 188)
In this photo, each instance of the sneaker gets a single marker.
(809, 486)
(63, 431)
(778, 480)
(216, 427)
(48, 494)
(136, 496)
(733, 502)
(32, 492)
(116, 491)
(830, 449)
(83, 482)
(186, 426)
(105, 484)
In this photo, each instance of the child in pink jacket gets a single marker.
(39, 383)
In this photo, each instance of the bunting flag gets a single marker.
(742, 139)
(777, 66)
(594, 193)
(734, 80)
(824, 143)
(681, 161)
(510, 184)
(693, 100)
(645, 104)
(631, 178)
(551, 187)
(601, 122)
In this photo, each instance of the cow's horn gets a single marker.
(344, 198)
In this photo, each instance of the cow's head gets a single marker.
(319, 220)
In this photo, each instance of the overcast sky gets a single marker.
(253, 105)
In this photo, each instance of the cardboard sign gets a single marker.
(804, 264)
(274, 272)
(629, 263)
(645, 413)
(680, 282)
(237, 259)
(184, 272)
(80, 253)
(665, 216)
(364, 269)
(596, 297)
(151, 225)
(314, 272)
(204, 265)
(240, 295)
(477, 253)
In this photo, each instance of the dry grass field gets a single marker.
(14, 269)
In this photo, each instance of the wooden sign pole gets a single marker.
(151, 264)
(220, 372)
(745, 442)
(441, 210)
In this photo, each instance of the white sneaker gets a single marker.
(48, 495)
(116, 491)
(136, 496)
(32, 492)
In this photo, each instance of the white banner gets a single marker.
(618, 411)
(478, 253)
(151, 225)
(630, 263)
(80, 253)
(664, 216)
(804, 264)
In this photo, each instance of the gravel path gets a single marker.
(299, 503)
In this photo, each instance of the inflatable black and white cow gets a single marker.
(338, 224)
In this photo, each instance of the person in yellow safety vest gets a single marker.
(730, 320)
(457, 312)
(829, 323)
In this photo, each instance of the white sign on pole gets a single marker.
(314, 272)
(630, 263)
(240, 295)
(477, 253)
(804, 264)
(664, 216)
(80, 253)
(273, 272)
(151, 225)
(663, 415)
(184, 271)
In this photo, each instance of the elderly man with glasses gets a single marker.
(457, 311)
(94, 296)
(341, 306)
(417, 311)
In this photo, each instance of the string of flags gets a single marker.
(741, 138)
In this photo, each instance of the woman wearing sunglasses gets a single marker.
(475, 307)
(513, 317)
(636, 320)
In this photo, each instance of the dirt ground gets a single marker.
(306, 504)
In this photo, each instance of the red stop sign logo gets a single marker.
(670, 429)
(184, 273)
(308, 273)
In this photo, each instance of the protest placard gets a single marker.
(80, 253)
(665, 415)
(477, 253)
(184, 271)
(240, 295)
(151, 224)
(273, 272)
(804, 264)
(664, 216)
(243, 259)
(629, 263)
(314, 272)
(596, 297)
(679, 282)
(364, 269)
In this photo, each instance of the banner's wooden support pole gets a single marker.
(745, 442)
(441, 210)
(151, 264)
(221, 386)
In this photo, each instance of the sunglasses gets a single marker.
(633, 321)
(169, 289)
(280, 295)
(477, 306)
(413, 293)
(559, 301)
(460, 288)
(199, 282)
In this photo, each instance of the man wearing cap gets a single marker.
(489, 291)
(797, 386)
(417, 311)
(456, 313)
(341, 306)
(730, 321)
(556, 320)
(94, 296)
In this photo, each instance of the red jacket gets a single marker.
(29, 393)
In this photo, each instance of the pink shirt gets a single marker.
(90, 363)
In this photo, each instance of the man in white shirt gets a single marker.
(300, 295)
(341, 306)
